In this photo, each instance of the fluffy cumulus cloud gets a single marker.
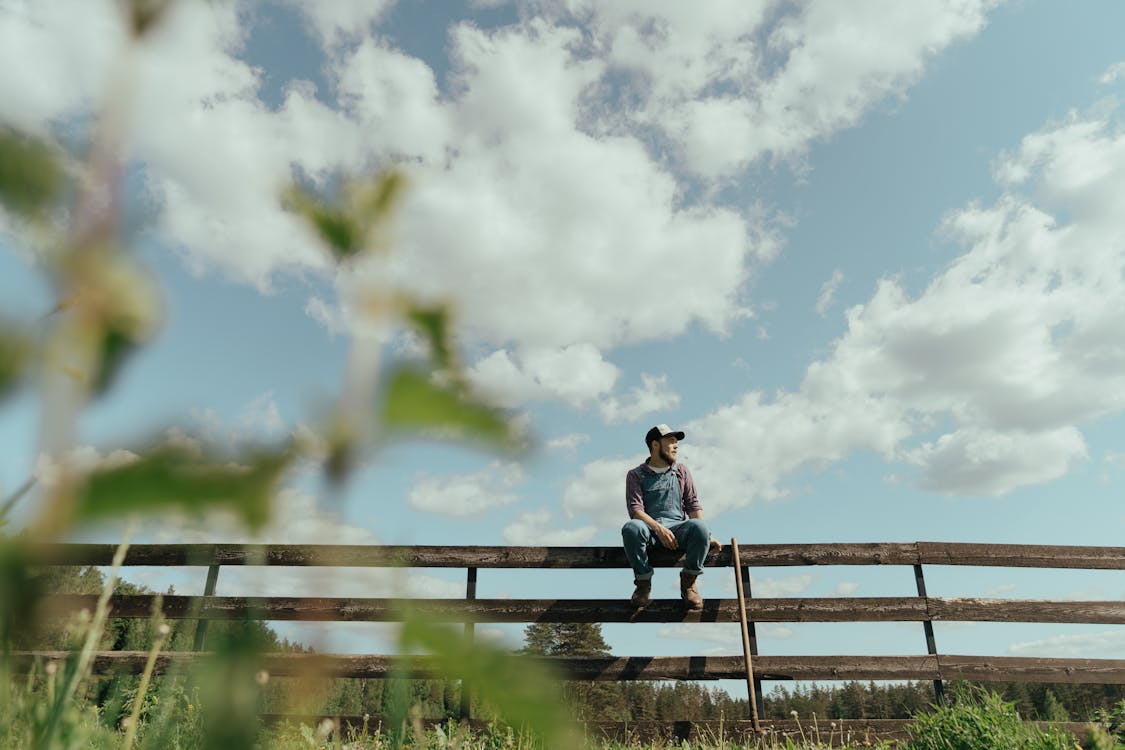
(744, 81)
(556, 163)
(539, 528)
(571, 441)
(1080, 645)
(587, 494)
(982, 381)
(342, 20)
(468, 494)
(653, 394)
(573, 374)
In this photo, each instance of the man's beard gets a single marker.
(666, 458)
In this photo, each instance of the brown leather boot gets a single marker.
(688, 592)
(642, 595)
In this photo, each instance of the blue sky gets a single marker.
(869, 256)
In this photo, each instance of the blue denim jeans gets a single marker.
(692, 536)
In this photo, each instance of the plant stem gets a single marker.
(93, 634)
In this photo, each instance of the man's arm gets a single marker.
(715, 543)
(666, 537)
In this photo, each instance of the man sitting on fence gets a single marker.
(663, 509)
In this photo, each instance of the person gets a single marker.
(664, 509)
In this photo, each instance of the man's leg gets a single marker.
(636, 538)
(694, 538)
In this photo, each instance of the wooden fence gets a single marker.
(920, 608)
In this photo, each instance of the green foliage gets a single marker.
(19, 591)
(565, 639)
(978, 718)
(15, 355)
(347, 225)
(1110, 735)
(415, 403)
(106, 308)
(173, 476)
(144, 15)
(522, 691)
(434, 323)
(29, 173)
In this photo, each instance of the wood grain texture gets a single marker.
(753, 555)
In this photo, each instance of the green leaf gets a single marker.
(126, 302)
(415, 403)
(175, 477)
(522, 690)
(346, 224)
(29, 175)
(342, 235)
(433, 323)
(340, 232)
(383, 197)
(116, 347)
(144, 15)
(15, 351)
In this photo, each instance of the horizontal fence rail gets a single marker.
(469, 610)
(784, 610)
(752, 555)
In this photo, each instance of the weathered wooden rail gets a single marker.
(919, 608)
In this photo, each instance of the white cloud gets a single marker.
(741, 81)
(340, 20)
(572, 374)
(1093, 592)
(568, 442)
(779, 587)
(982, 381)
(599, 492)
(467, 494)
(974, 461)
(652, 395)
(71, 47)
(845, 588)
(722, 633)
(1087, 645)
(538, 528)
(828, 292)
(78, 461)
(1001, 589)
(258, 420)
(1112, 73)
(537, 192)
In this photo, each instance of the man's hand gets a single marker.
(666, 537)
(716, 545)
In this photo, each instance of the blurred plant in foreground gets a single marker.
(106, 307)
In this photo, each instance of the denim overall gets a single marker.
(663, 500)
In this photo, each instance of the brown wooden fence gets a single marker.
(920, 608)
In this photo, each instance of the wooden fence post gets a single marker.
(201, 623)
(466, 689)
(928, 628)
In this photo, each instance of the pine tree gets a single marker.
(590, 700)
